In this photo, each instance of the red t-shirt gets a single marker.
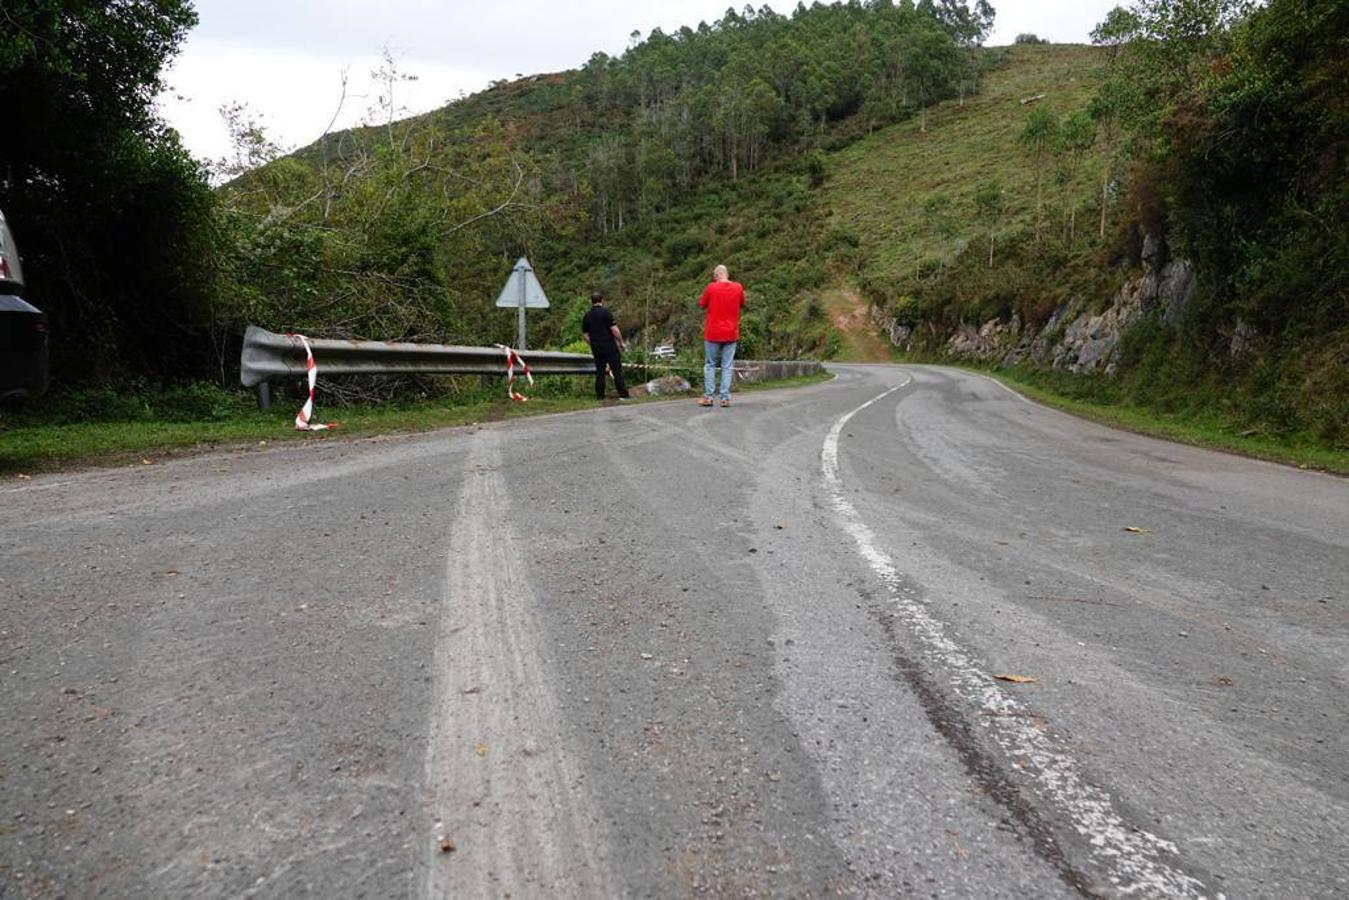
(723, 301)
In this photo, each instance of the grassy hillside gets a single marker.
(895, 216)
(908, 194)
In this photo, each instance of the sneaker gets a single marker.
(725, 401)
(624, 399)
(704, 401)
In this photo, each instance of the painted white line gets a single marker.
(508, 811)
(1022, 397)
(1130, 857)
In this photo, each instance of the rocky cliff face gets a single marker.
(1075, 338)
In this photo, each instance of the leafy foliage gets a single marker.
(114, 218)
(1246, 156)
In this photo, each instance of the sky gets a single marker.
(286, 59)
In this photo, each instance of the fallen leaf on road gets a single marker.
(481, 750)
(25, 477)
(146, 462)
(446, 845)
(1135, 529)
(1016, 679)
(473, 690)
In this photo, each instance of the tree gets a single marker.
(931, 65)
(1037, 137)
(1119, 26)
(966, 25)
(114, 215)
(1104, 110)
(990, 201)
(1075, 137)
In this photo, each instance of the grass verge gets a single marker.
(1185, 428)
(38, 448)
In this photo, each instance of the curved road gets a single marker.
(658, 650)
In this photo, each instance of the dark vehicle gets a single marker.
(23, 328)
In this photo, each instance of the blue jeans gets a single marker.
(718, 353)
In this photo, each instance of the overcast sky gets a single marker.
(285, 58)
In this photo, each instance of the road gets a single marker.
(659, 650)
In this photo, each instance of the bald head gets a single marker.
(720, 274)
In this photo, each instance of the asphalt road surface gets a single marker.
(659, 650)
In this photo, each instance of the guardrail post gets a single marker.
(264, 391)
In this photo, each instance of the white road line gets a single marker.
(502, 781)
(1017, 394)
(1130, 857)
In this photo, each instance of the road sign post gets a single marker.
(522, 291)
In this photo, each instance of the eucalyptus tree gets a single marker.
(1037, 138)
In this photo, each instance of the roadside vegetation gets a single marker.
(1095, 399)
(99, 427)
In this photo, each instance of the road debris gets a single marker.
(667, 385)
(1137, 529)
(1016, 679)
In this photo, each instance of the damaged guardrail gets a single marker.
(268, 357)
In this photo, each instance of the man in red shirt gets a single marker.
(723, 299)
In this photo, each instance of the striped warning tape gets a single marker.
(511, 359)
(302, 418)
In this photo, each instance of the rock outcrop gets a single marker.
(1076, 337)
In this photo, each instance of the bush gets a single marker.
(198, 401)
(681, 247)
(135, 401)
(815, 171)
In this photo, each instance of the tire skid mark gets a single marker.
(1133, 861)
(503, 788)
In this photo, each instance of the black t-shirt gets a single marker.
(597, 322)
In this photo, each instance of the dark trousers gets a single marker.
(608, 356)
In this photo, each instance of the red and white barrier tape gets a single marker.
(511, 359)
(302, 418)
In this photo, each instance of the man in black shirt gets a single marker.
(605, 340)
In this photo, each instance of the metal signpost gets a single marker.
(522, 291)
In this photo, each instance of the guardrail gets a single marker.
(268, 357)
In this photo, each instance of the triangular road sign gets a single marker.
(523, 280)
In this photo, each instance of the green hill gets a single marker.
(909, 194)
(1134, 214)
